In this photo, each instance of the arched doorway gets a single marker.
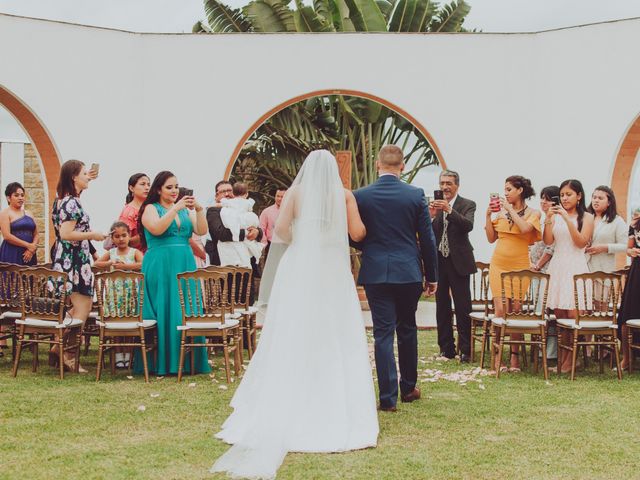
(45, 149)
(319, 93)
(623, 170)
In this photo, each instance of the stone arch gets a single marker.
(623, 166)
(44, 146)
(318, 93)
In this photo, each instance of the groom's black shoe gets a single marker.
(412, 396)
(464, 358)
(387, 409)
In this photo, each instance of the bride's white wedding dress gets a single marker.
(309, 386)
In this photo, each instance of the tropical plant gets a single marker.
(335, 16)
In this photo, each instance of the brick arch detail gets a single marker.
(318, 93)
(623, 167)
(43, 144)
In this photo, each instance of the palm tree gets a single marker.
(335, 16)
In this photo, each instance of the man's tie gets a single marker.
(444, 241)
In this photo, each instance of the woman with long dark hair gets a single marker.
(610, 232)
(569, 226)
(165, 229)
(630, 306)
(138, 185)
(19, 231)
(72, 253)
(515, 227)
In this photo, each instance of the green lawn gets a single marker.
(518, 426)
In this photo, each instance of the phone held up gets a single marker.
(494, 202)
(438, 195)
(95, 167)
(555, 200)
(188, 192)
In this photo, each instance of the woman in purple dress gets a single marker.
(19, 231)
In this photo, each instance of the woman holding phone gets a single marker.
(514, 226)
(569, 226)
(166, 228)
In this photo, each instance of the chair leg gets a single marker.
(112, 359)
(192, 355)
(484, 344)
(61, 345)
(181, 361)
(145, 367)
(16, 358)
(617, 354)
(543, 339)
(237, 360)
(629, 353)
(225, 351)
(100, 357)
(34, 353)
(574, 354)
(500, 351)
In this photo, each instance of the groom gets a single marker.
(394, 265)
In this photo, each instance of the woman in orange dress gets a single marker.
(514, 227)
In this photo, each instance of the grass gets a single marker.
(515, 427)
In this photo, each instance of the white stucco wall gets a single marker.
(549, 106)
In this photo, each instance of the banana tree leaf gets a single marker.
(340, 16)
(402, 16)
(386, 7)
(366, 16)
(423, 15)
(348, 111)
(268, 18)
(307, 20)
(223, 19)
(321, 8)
(451, 17)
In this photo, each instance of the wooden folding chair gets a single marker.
(10, 305)
(91, 328)
(524, 300)
(596, 301)
(120, 300)
(204, 301)
(481, 310)
(43, 297)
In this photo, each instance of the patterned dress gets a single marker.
(73, 258)
(122, 295)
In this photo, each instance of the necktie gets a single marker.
(444, 241)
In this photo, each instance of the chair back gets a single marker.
(10, 287)
(43, 293)
(203, 296)
(596, 296)
(524, 295)
(120, 295)
(238, 285)
(480, 288)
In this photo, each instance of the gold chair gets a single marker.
(596, 301)
(91, 328)
(43, 297)
(120, 300)
(10, 305)
(524, 300)
(204, 299)
(481, 310)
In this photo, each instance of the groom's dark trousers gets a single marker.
(398, 252)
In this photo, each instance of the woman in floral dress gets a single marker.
(72, 253)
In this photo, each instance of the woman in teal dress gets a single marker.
(167, 228)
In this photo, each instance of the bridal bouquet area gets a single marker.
(467, 425)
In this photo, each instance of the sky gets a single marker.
(180, 15)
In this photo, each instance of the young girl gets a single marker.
(570, 226)
(121, 257)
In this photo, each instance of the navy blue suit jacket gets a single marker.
(394, 213)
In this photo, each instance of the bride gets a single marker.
(309, 386)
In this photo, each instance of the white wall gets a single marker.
(11, 167)
(550, 106)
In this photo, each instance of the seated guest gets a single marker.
(610, 232)
(237, 214)
(269, 216)
(630, 306)
(19, 231)
(515, 226)
(569, 226)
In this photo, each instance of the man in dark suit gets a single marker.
(218, 231)
(452, 222)
(394, 266)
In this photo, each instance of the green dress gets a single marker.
(167, 255)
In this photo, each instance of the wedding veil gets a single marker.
(313, 214)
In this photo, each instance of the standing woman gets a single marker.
(570, 227)
(630, 305)
(165, 229)
(139, 185)
(610, 232)
(19, 231)
(515, 228)
(72, 253)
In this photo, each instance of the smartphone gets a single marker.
(555, 200)
(494, 202)
(438, 195)
(95, 167)
(188, 192)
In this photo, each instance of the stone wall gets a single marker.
(35, 201)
